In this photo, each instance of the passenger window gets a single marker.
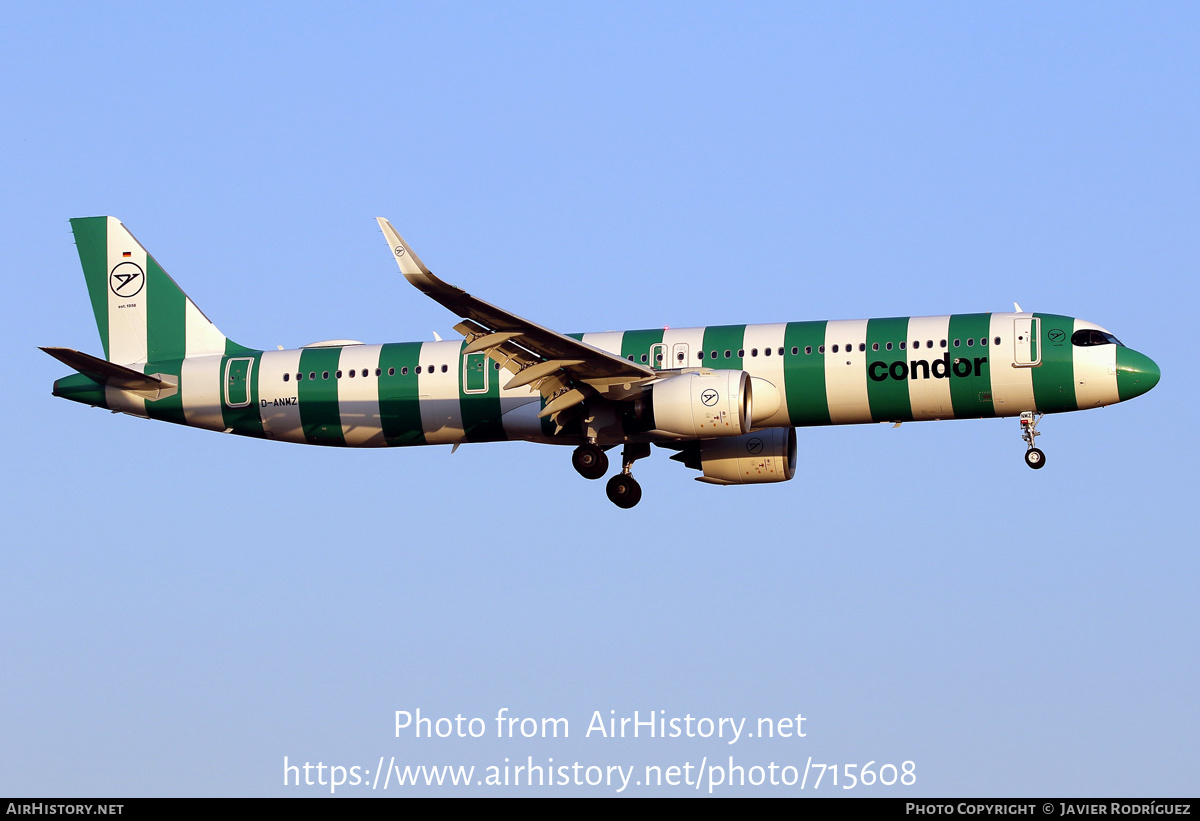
(862, 346)
(324, 374)
(888, 346)
(835, 348)
(286, 377)
(338, 375)
(807, 350)
(821, 349)
(970, 341)
(942, 344)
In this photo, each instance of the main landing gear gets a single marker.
(589, 461)
(623, 490)
(1033, 456)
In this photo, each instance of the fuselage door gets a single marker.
(1027, 353)
(237, 381)
(475, 373)
(658, 356)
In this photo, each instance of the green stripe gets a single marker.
(1054, 379)
(234, 349)
(320, 415)
(1136, 373)
(480, 411)
(637, 344)
(245, 421)
(722, 338)
(804, 375)
(79, 388)
(399, 403)
(164, 315)
(971, 396)
(888, 397)
(91, 241)
(170, 408)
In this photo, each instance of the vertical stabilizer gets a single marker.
(142, 315)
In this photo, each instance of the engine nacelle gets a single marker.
(702, 404)
(751, 459)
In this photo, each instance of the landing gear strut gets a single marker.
(623, 490)
(590, 461)
(1033, 456)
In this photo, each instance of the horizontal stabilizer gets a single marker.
(108, 373)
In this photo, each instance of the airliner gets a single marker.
(726, 399)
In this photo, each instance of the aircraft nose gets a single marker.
(1136, 373)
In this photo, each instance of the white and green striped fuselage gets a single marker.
(962, 366)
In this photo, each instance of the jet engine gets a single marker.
(750, 459)
(702, 404)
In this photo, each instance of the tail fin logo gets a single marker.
(126, 280)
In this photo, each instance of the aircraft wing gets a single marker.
(534, 354)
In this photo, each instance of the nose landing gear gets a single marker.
(1033, 456)
(623, 490)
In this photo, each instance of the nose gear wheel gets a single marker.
(1033, 456)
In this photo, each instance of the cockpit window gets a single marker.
(1091, 336)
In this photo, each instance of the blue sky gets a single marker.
(183, 610)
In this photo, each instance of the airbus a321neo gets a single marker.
(727, 399)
